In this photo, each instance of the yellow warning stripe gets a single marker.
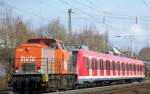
(9, 77)
(45, 77)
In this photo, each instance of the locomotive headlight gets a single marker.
(39, 70)
(16, 70)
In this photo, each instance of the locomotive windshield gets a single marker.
(52, 43)
(49, 42)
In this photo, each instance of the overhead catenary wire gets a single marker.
(83, 12)
(145, 3)
(94, 18)
(111, 16)
(24, 11)
(93, 7)
(107, 12)
(39, 16)
(108, 17)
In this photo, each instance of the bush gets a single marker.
(3, 83)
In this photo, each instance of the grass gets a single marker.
(147, 78)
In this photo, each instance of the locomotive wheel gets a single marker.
(78, 86)
(47, 90)
(85, 85)
(51, 85)
(64, 84)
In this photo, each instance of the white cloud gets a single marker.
(139, 34)
(137, 30)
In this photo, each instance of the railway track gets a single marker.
(8, 91)
(14, 92)
(113, 89)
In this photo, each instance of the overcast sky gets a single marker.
(120, 17)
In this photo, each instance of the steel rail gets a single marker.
(112, 89)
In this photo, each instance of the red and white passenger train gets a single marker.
(46, 64)
(94, 66)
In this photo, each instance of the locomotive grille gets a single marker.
(28, 67)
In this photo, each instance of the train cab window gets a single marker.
(51, 44)
(62, 45)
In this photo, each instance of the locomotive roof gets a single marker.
(44, 39)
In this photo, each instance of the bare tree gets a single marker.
(13, 31)
(144, 54)
(93, 38)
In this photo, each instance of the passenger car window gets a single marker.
(101, 65)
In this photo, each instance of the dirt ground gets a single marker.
(137, 91)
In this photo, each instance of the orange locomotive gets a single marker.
(41, 63)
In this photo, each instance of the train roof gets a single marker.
(108, 56)
(43, 40)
